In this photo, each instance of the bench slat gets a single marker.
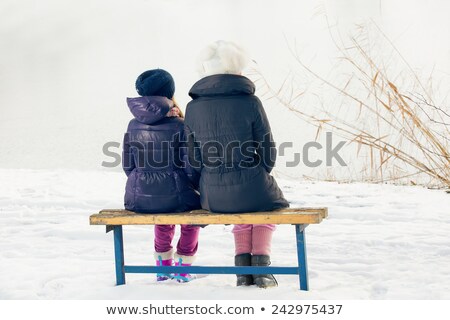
(283, 216)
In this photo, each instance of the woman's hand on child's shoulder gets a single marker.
(174, 112)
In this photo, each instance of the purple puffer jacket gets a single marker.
(154, 161)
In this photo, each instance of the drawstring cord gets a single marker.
(163, 274)
(178, 276)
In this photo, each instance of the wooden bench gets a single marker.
(299, 217)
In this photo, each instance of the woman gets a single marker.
(158, 180)
(231, 147)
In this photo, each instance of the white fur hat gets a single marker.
(221, 57)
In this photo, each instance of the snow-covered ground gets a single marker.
(379, 242)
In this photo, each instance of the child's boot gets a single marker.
(244, 259)
(164, 259)
(263, 280)
(183, 261)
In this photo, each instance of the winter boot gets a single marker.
(263, 280)
(184, 261)
(164, 259)
(244, 259)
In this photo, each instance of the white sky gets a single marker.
(67, 66)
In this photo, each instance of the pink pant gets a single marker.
(187, 244)
(253, 238)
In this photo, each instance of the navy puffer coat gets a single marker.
(158, 180)
(231, 146)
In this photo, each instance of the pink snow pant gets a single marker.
(187, 244)
(253, 238)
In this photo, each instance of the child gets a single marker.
(154, 162)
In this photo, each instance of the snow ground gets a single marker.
(379, 242)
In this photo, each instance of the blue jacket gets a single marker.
(235, 151)
(154, 161)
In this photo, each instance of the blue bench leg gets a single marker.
(118, 252)
(301, 255)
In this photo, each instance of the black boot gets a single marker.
(263, 280)
(244, 259)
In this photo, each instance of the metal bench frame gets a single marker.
(121, 268)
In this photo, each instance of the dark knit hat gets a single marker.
(156, 82)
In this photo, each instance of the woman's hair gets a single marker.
(175, 104)
(222, 57)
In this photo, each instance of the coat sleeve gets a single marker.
(181, 157)
(127, 156)
(191, 157)
(262, 134)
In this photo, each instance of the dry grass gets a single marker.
(383, 108)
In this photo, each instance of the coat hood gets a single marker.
(149, 109)
(222, 85)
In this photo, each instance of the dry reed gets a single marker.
(397, 121)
